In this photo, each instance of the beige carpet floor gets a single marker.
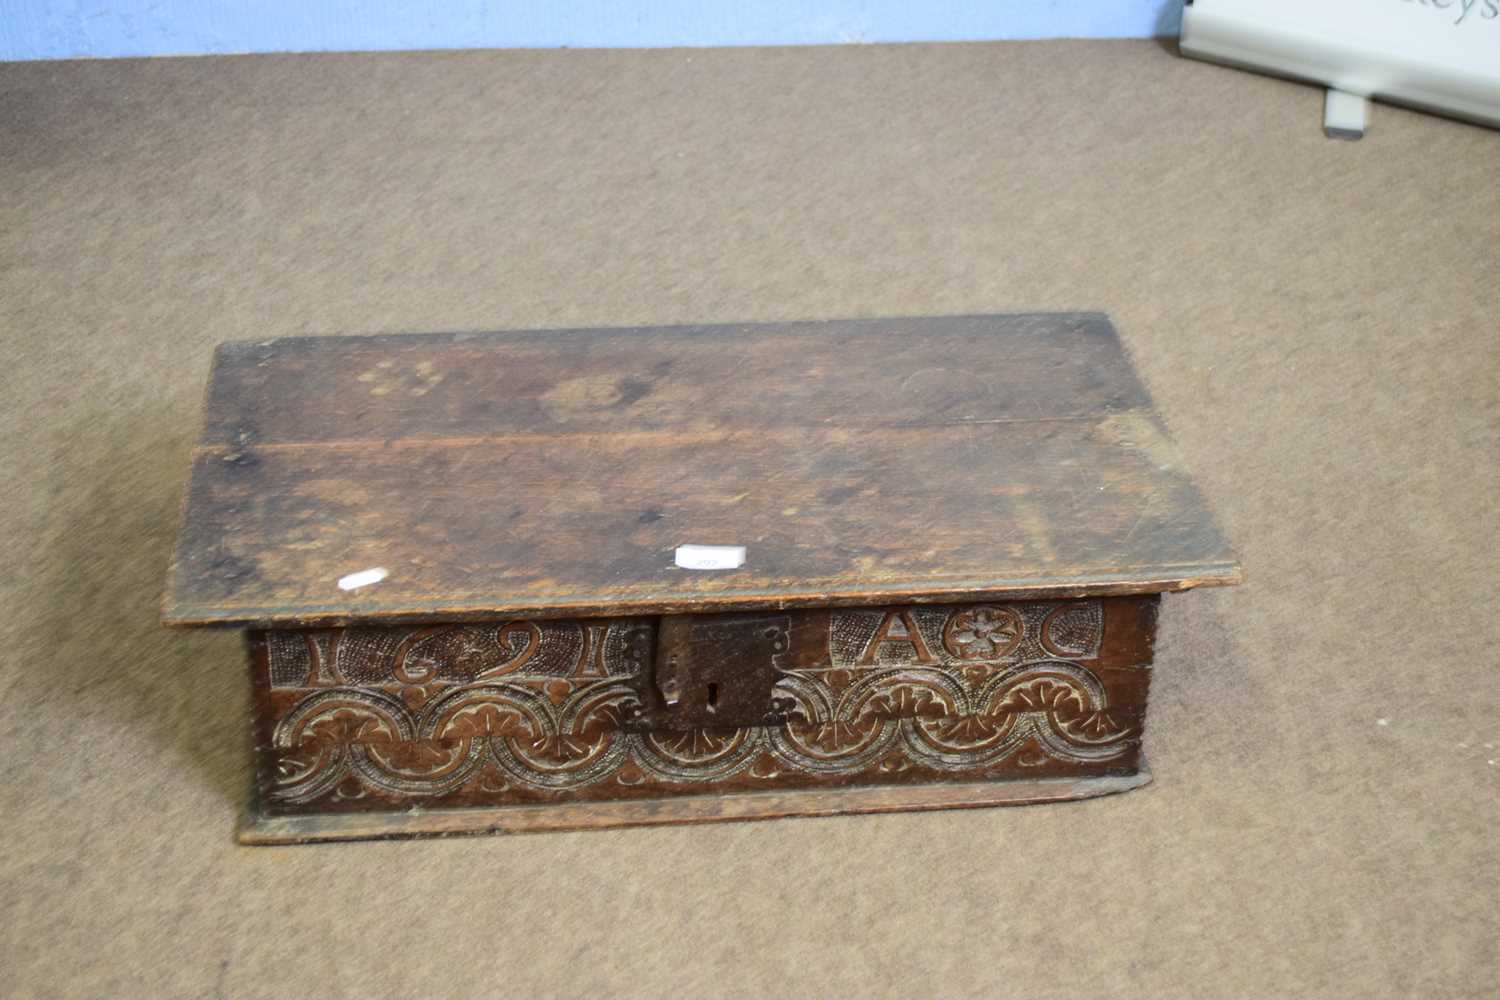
(1319, 322)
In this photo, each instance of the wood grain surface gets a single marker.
(554, 473)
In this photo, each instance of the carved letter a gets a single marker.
(898, 626)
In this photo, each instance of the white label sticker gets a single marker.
(710, 556)
(363, 579)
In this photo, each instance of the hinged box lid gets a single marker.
(557, 473)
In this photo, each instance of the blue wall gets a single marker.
(60, 29)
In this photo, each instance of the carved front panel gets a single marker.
(521, 711)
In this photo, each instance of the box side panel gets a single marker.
(533, 712)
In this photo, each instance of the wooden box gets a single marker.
(940, 547)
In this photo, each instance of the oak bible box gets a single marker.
(587, 578)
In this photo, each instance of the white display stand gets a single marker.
(1437, 55)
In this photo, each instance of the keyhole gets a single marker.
(713, 696)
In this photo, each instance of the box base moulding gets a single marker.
(261, 829)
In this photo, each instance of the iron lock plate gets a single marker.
(714, 671)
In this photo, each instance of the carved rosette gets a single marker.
(983, 633)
